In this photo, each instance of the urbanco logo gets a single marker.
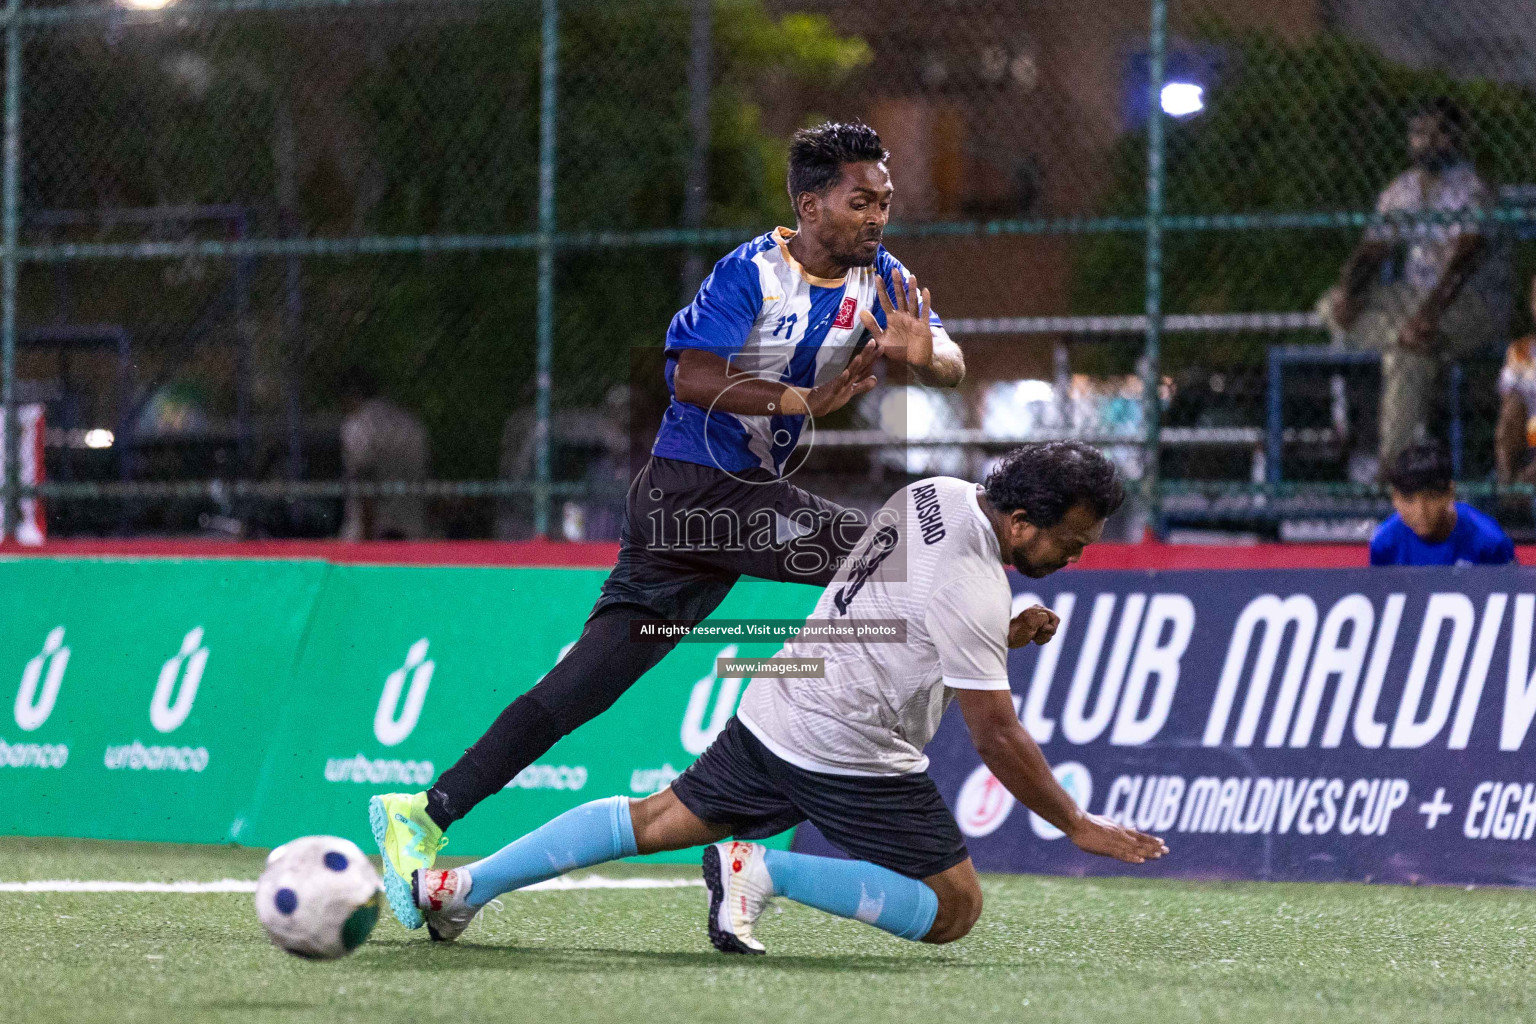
(392, 723)
(1076, 780)
(185, 668)
(697, 735)
(32, 708)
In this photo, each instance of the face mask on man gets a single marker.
(1435, 160)
(1432, 144)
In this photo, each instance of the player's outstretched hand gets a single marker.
(908, 336)
(1095, 833)
(1034, 625)
(856, 379)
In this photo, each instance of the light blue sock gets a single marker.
(858, 889)
(581, 837)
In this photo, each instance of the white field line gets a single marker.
(74, 885)
(601, 882)
(562, 884)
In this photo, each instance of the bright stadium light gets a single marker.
(147, 5)
(99, 438)
(1181, 99)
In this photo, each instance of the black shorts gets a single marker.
(691, 531)
(898, 822)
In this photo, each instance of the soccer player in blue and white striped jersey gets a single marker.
(787, 328)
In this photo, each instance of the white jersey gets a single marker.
(931, 560)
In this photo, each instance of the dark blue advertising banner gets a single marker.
(1320, 725)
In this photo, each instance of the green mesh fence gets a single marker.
(231, 229)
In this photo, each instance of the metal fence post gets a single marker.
(549, 66)
(696, 185)
(10, 486)
(1274, 432)
(1151, 368)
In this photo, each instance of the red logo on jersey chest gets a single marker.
(845, 313)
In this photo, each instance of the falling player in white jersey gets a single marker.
(844, 749)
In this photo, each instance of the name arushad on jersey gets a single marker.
(930, 517)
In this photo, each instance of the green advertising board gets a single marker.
(405, 667)
(314, 686)
(146, 692)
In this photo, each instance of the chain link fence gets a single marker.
(318, 267)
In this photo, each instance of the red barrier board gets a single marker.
(601, 555)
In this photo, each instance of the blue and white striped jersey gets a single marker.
(760, 310)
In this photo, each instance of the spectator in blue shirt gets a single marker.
(1431, 527)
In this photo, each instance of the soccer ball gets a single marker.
(318, 897)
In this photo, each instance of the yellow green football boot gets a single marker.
(408, 841)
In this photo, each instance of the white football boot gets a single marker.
(739, 890)
(440, 897)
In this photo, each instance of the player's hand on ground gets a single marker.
(907, 336)
(856, 379)
(1094, 833)
(1034, 625)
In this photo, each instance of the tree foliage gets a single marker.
(455, 335)
(338, 124)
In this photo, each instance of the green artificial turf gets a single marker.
(1047, 949)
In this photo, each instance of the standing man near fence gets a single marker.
(787, 328)
(1452, 298)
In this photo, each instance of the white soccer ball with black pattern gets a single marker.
(319, 897)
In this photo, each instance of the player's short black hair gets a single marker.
(1048, 479)
(817, 155)
(359, 383)
(1422, 467)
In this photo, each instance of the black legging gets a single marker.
(603, 664)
